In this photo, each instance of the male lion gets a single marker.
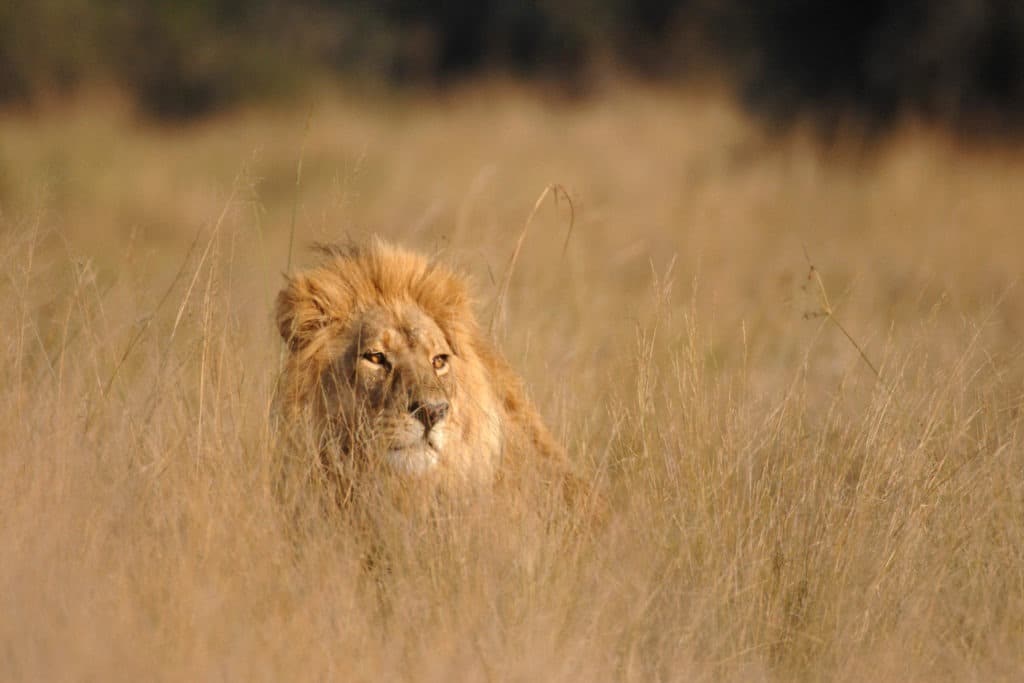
(387, 362)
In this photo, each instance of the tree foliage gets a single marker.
(957, 60)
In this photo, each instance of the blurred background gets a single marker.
(955, 61)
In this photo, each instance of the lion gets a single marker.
(388, 364)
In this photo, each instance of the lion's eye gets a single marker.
(376, 358)
(440, 361)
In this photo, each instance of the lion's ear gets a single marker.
(303, 310)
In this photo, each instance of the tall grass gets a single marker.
(776, 510)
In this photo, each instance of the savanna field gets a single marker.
(790, 369)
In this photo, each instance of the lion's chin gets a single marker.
(412, 460)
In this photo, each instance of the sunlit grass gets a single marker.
(809, 475)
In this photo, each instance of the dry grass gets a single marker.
(778, 511)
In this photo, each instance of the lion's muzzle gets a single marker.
(429, 414)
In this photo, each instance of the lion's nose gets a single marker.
(429, 413)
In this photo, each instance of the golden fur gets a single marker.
(388, 363)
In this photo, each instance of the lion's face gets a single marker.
(386, 359)
(394, 388)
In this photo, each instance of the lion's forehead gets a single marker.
(399, 329)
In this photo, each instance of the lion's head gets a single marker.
(387, 360)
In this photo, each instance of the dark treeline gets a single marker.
(959, 61)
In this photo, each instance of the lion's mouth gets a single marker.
(414, 459)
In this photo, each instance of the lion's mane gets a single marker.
(328, 316)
